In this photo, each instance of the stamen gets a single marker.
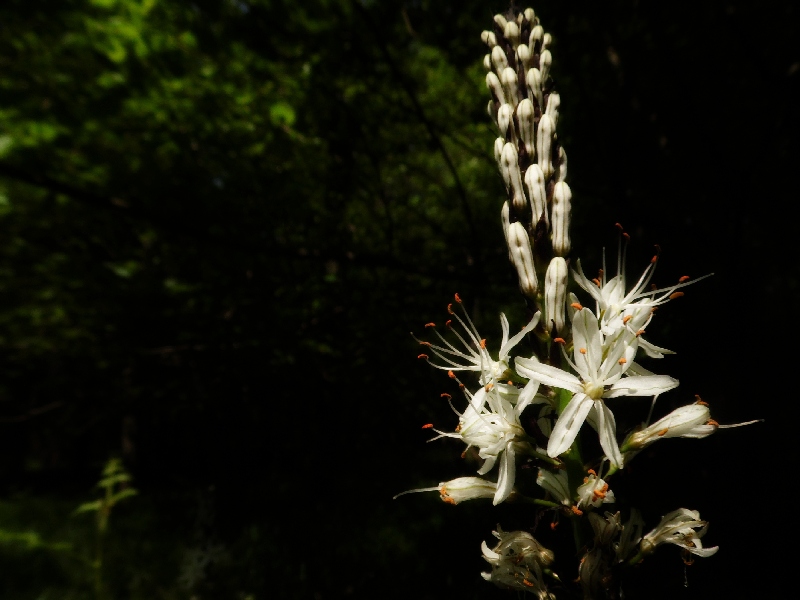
(458, 298)
(458, 428)
(712, 422)
(640, 332)
(663, 432)
(559, 340)
(450, 309)
(451, 375)
(428, 426)
(488, 386)
(428, 344)
(626, 236)
(618, 226)
(445, 395)
(448, 322)
(526, 582)
(626, 319)
(483, 343)
(423, 356)
(622, 361)
(576, 306)
(597, 282)
(684, 278)
(430, 324)
(591, 472)
(583, 350)
(577, 511)
(675, 295)
(654, 260)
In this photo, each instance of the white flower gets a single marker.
(681, 527)
(517, 561)
(616, 306)
(594, 492)
(690, 421)
(460, 489)
(475, 356)
(600, 363)
(557, 484)
(491, 424)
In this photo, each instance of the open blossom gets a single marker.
(616, 305)
(594, 492)
(681, 527)
(601, 363)
(473, 354)
(517, 561)
(491, 424)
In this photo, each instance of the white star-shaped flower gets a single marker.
(600, 362)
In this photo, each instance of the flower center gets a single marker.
(593, 390)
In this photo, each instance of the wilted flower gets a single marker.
(517, 561)
(681, 527)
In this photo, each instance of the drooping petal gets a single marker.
(568, 424)
(641, 385)
(505, 480)
(526, 395)
(508, 344)
(607, 431)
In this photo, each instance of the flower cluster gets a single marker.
(529, 403)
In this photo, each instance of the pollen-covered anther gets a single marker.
(622, 361)
(559, 340)
(592, 472)
(626, 319)
(445, 395)
(640, 332)
(577, 306)
(577, 510)
(430, 324)
(675, 295)
(626, 236)
(712, 422)
(597, 282)
(654, 259)
(450, 309)
(451, 375)
(448, 323)
(582, 350)
(488, 386)
(684, 278)
(483, 343)
(619, 226)
(526, 582)
(663, 432)
(428, 344)
(428, 426)
(464, 454)
(458, 428)
(423, 356)
(458, 298)
(553, 525)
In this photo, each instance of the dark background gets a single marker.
(219, 222)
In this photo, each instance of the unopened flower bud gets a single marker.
(498, 150)
(561, 167)
(509, 167)
(553, 103)
(487, 62)
(537, 33)
(519, 245)
(524, 56)
(547, 40)
(534, 82)
(529, 14)
(511, 33)
(501, 21)
(534, 180)
(544, 141)
(509, 80)
(555, 293)
(489, 38)
(499, 59)
(545, 60)
(493, 83)
(560, 218)
(505, 121)
(527, 126)
(505, 216)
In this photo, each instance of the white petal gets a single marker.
(607, 430)
(641, 385)
(527, 394)
(568, 424)
(505, 480)
(509, 344)
(547, 375)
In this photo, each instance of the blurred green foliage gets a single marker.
(220, 219)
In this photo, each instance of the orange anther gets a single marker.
(592, 472)
(559, 340)
(424, 356)
(426, 344)
(510, 382)
(654, 259)
(483, 343)
(553, 525)
(448, 500)
(526, 582)
(684, 278)
(450, 308)
(618, 226)
(585, 480)
(451, 375)
(458, 428)
(626, 236)
(605, 487)
(675, 295)
(712, 422)
(582, 350)
(460, 385)
(428, 426)
(597, 282)
(577, 511)
(640, 332)
(458, 298)
(447, 323)
(576, 306)
(622, 361)
(464, 454)
(663, 432)
(445, 395)
(430, 324)
(488, 386)
(626, 319)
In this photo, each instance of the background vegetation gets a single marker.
(219, 221)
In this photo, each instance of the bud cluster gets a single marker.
(525, 108)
